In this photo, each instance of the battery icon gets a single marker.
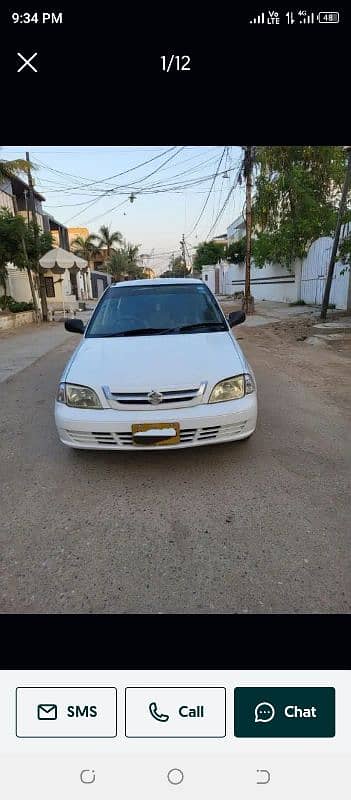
(328, 16)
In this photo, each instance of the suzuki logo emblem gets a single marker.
(155, 397)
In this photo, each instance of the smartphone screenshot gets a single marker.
(175, 381)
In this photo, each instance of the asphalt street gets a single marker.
(261, 526)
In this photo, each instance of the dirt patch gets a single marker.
(298, 329)
(295, 329)
(283, 347)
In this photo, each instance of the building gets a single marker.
(99, 282)
(14, 196)
(58, 231)
(236, 230)
(99, 258)
(222, 239)
(75, 233)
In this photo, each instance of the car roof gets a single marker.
(158, 281)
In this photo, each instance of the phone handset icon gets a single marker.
(154, 713)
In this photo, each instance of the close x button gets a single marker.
(284, 712)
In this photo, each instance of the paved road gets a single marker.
(261, 526)
(19, 348)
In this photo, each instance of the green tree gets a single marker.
(133, 265)
(236, 251)
(344, 253)
(45, 243)
(116, 265)
(31, 248)
(108, 238)
(125, 261)
(177, 268)
(18, 246)
(297, 191)
(12, 228)
(208, 253)
(85, 248)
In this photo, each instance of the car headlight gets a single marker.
(232, 388)
(77, 396)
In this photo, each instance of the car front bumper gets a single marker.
(108, 429)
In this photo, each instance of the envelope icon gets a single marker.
(47, 711)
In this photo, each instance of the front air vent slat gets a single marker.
(125, 438)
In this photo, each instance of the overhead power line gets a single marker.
(219, 215)
(209, 193)
(118, 174)
(67, 189)
(108, 192)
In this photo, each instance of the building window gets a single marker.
(49, 287)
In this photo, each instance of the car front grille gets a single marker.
(175, 397)
(113, 439)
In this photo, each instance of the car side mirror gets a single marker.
(74, 325)
(236, 317)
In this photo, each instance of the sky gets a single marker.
(83, 186)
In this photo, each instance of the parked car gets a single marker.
(158, 365)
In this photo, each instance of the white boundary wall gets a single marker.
(272, 282)
(305, 281)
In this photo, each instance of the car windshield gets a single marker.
(156, 309)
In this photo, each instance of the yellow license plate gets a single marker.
(156, 433)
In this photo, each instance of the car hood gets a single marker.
(143, 363)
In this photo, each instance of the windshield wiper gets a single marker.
(137, 332)
(196, 326)
(154, 331)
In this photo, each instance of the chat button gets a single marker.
(284, 712)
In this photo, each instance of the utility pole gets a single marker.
(342, 208)
(182, 244)
(42, 291)
(248, 304)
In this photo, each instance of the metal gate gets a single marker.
(314, 274)
(314, 271)
(100, 287)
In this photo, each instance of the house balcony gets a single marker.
(29, 215)
(7, 201)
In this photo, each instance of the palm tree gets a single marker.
(117, 264)
(135, 269)
(9, 169)
(108, 239)
(85, 248)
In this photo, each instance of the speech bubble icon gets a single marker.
(264, 712)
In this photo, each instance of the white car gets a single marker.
(158, 365)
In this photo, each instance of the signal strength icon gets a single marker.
(258, 20)
(306, 19)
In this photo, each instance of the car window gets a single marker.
(153, 307)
